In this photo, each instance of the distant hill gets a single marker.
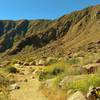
(57, 37)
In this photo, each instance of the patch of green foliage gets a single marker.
(84, 83)
(47, 75)
(58, 69)
(11, 70)
(73, 61)
(51, 71)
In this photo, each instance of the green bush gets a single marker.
(43, 76)
(12, 70)
(58, 69)
(50, 72)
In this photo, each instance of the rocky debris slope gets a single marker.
(77, 29)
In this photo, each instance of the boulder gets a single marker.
(14, 87)
(70, 92)
(77, 96)
(16, 65)
(98, 92)
(91, 68)
(93, 93)
(26, 64)
(42, 62)
(98, 61)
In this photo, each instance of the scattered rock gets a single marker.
(77, 96)
(51, 60)
(10, 75)
(41, 62)
(21, 73)
(98, 61)
(1, 66)
(32, 63)
(20, 62)
(98, 91)
(14, 87)
(70, 92)
(12, 81)
(16, 65)
(26, 80)
(26, 64)
(91, 68)
(32, 77)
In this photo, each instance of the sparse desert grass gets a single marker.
(4, 93)
(54, 92)
(84, 83)
(73, 61)
(52, 71)
(59, 68)
(71, 69)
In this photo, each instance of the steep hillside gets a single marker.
(51, 37)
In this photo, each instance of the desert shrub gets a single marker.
(51, 71)
(59, 69)
(43, 75)
(47, 75)
(11, 70)
(73, 61)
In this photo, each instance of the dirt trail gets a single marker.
(28, 90)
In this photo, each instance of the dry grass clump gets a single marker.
(54, 94)
(4, 93)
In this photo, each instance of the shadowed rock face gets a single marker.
(70, 31)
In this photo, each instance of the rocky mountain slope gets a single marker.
(57, 37)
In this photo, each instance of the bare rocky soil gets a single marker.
(29, 88)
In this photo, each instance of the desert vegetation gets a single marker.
(51, 59)
(73, 74)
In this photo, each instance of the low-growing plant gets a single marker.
(11, 70)
(52, 71)
(73, 61)
(59, 69)
(84, 83)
